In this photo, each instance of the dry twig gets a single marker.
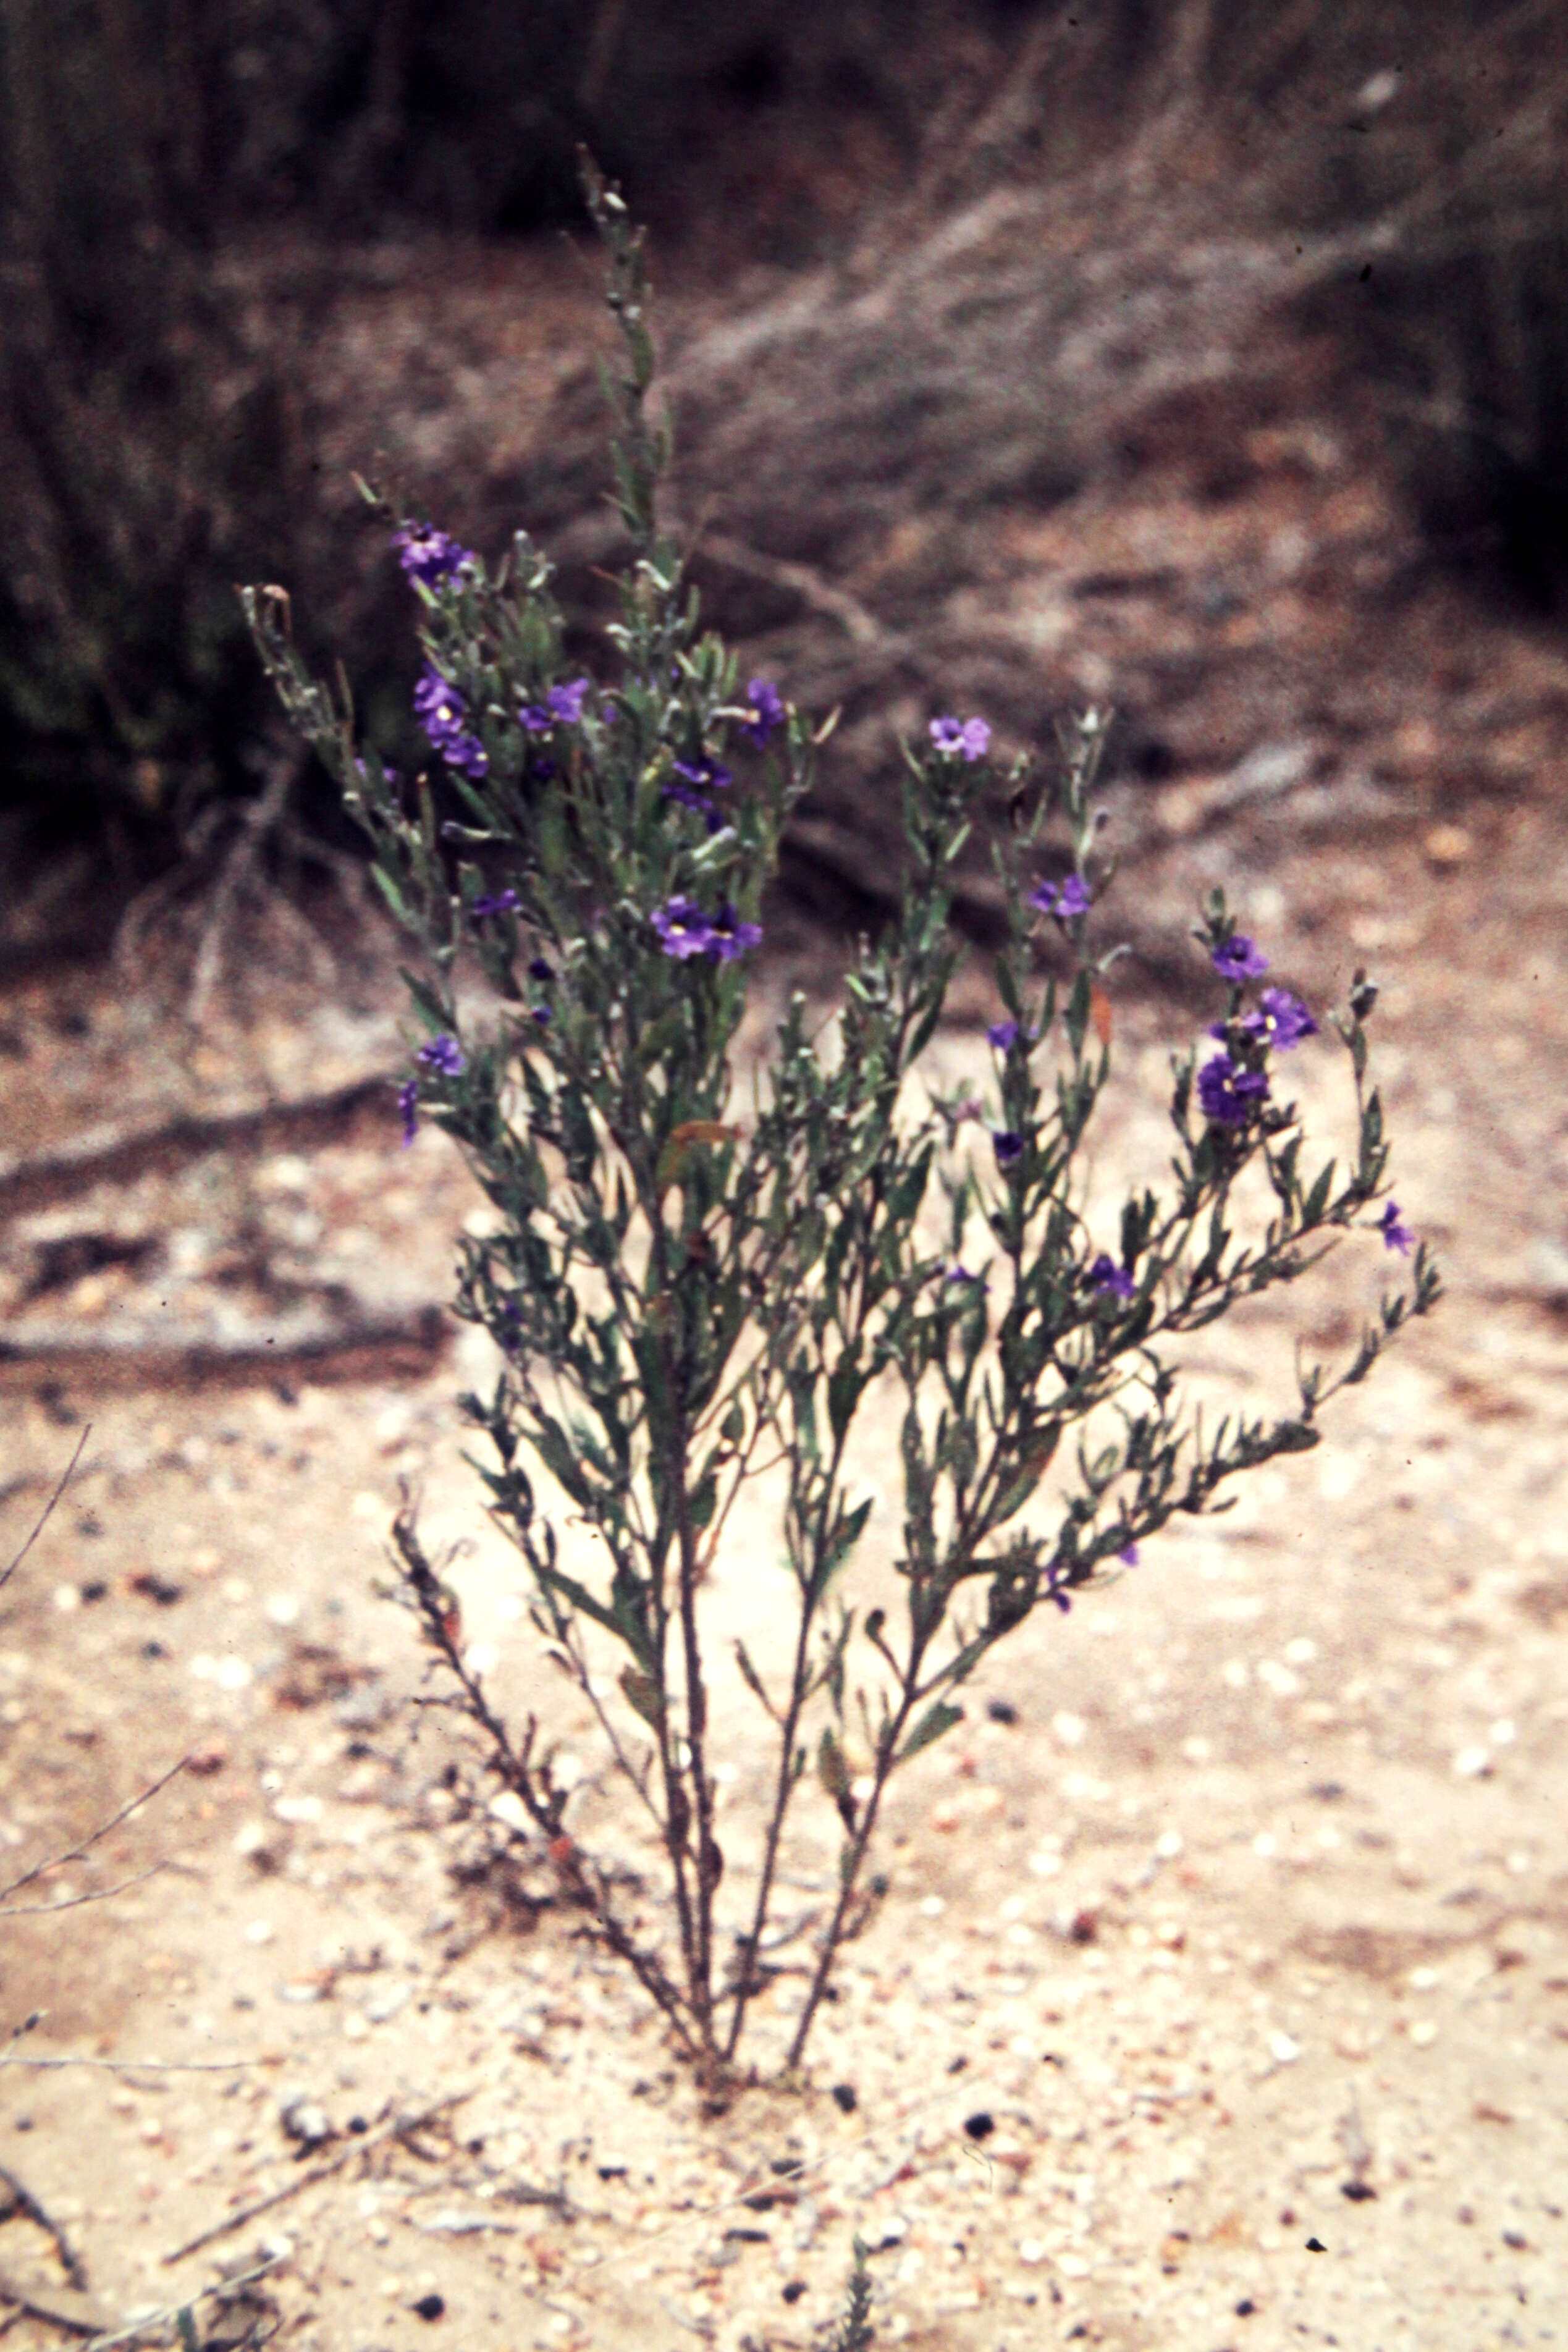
(397, 2127)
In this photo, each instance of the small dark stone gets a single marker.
(24, 2123)
(1327, 1791)
(95, 1591)
(1245, 2307)
(357, 2125)
(845, 2098)
(1358, 2192)
(979, 2127)
(429, 2306)
(794, 2291)
(956, 2065)
(153, 1649)
(1001, 1710)
(1517, 2240)
(783, 2167)
(1316, 2246)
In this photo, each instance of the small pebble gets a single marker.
(1423, 2031)
(429, 2306)
(1473, 1763)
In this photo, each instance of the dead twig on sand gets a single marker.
(221, 2291)
(24, 2201)
(75, 1853)
(42, 1522)
(394, 2127)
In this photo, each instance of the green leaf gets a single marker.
(643, 1693)
(831, 1767)
(938, 1718)
(753, 1680)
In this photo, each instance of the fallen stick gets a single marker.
(24, 2201)
(398, 2127)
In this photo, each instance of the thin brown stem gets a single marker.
(850, 1872)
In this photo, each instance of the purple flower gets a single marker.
(408, 1105)
(505, 902)
(1281, 1019)
(1286, 1019)
(1008, 1146)
(392, 774)
(541, 1013)
(1239, 958)
(961, 1273)
(969, 738)
(429, 555)
(441, 711)
(729, 937)
(689, 798)
(1071, 898)
(1229, 1094)
(445, 1054)
(684, 929)
(708, 774)
(1396, 1235)
(540, 970)
(565, 702)
(1129, 1555)
(1111, 1280)
(766, 712)
(1002, 1034)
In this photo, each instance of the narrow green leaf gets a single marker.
(937, 1718)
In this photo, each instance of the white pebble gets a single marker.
(260, 1931)
(1283, 2049)
(1503, 1734)
(67, 1598)
(1473, 1763)
(283, 1609)
(1045, 1865)
(1070, 1730)
(1170, 1844)
(297, 1809)
(931, 1906)
(1236, 1673)
(1423, 2031)
(1197, 1749)
(1031, 2250)
(1266, 1844)
(1302, 1650)
(233, 1674)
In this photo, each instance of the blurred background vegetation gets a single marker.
(158, 443)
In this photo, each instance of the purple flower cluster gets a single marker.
(1003, 1035)
(1239, 958)
(968, 739)
(562, 706)
(1281, 1020)
(686, 931)
(429, 555)
(766, 710)
(1009, 1147)
(1228, 1093)
(442, 712)
(1396, 1235)
(1111, 1280)
(1071, 898)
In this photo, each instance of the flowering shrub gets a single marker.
(682, 1299)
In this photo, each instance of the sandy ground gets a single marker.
(1220, 1995)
